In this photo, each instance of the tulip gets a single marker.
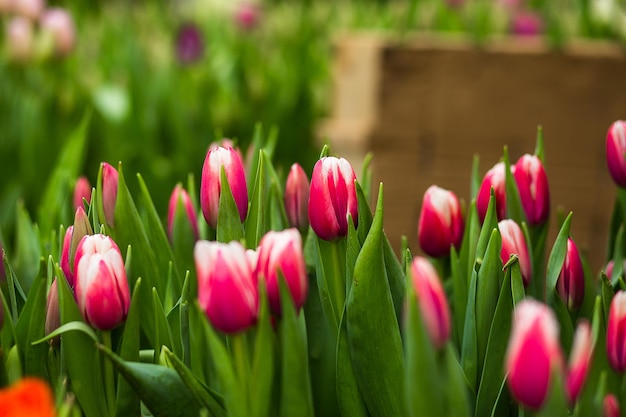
(247, 15)
(533, 353)
(211, 183)
(610, 406)
(332, 198)
(532, 183)
(280, 254)
(297, 198)
(227, 287)
(432, 301)
(109, 192)
(53, 318)
(571, 282)
(441, 222)
(101, 291)
(20, 39)
(494, 178)
(28, 8)
(579, 361)
(616, 332)
(180, 195)
(616, 152)
(513, 242)
(82, 191)
(59, 25)
(189, 43)
(527, 23)
(66, 264)
(27, 397)
(608, 269)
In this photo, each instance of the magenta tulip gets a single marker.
(82, 191)
(297, 198)
(616, 152)
(494, 178)
(616, 332)
(610, 406)
(227, 286)
(110, 178)
(513, 242)
(66, 264)
(441, 222)
(332, 198)
(532, 183)
(180, 195)
(571, 282)
(53, 317)
(579, 361)
(101, 291)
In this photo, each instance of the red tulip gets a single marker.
(66, 265)
(82, 190)
(440, 223)
(579, 361)
(513, 242)
(571, 282)
(616, 332)
(297, 198)
(179, 194)
(494, 178)
(616, 152)
(109, 192)
(532, 183)
(610, 406)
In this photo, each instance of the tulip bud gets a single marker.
(53, 318)
(297, 198)
(247, 15)
(102, 291)
(189, 43)
(533, 353)
(432, 301)
(532, 183)
(616, 152)
(59, 25)
(179, 194)
(610, 406)
(527, 23)
(20, 38)
(608, 269)
(579, 361)
(571, 282)
(109, 192)
(82, 190)
(441, 222)
(211, 183)
(332, 198)
(616, 332)
(227, 287)
(494, 178)
(513, 242)
(280, 254)
(66, 264)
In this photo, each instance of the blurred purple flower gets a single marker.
(189, 43)
(526, 23)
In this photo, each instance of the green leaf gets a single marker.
(556, 403)
(262, 377)
(348, 395)
(459, 296)
(364, 213)
(366, 175)
(396, 278)
(467, 253)
(514, 208)
(490, 223)
(229, 226)
(469, 347)
(373, 333)
(475, 179)
(27, 249)
(163, 334)
(255, 222)
(456, 385)
(331, 278)
(539, 147)
(68, 327)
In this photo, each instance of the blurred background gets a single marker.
(162, 80)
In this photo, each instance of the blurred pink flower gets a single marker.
(526, 23)
(189, 43)
(59, 24)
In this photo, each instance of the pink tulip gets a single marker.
(211, 183)
(441, 222)
(53, 317)
(332, 198)
(610, 406)
(571, 282)
(28, 8)
(66, 265)
(58, 23)
(101, 291)
(532, 183)
(227, 287)
(247, 15)
(180, 195)
(513, 242)
(526, 23)
(579, 361)
(616, 332)
(608, 269)
(82, 190)
(280, 254)
(20, 38)
(297, 198)
(432, 301)
(616, 152)
(494, 178)
(533, 354)
(109, 192)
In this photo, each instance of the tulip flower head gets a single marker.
(332, 198)
(532, 183)
(20, 38)
(180, 195)
(27, 397)
(432, 301)
(280, 254)
(211, 183)
(533, 354)
(189, 43)
(610, 406)
(101, 287)
(30, 9)
(66, 265)
(441, 222)
(247, 15)
(227, 286)
(571, 282)
(579, 361)
(109, 192)
(53, 318)
(297, 198)
(494, 178)
(513, 242)
(82, 190)
(58, 23)
(616, 152)
(616, 332)
(526, 23)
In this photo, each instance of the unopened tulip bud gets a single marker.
(82, 191)
(608, 269)
(247, 15)
(110, 178)
(180, 195)
(227, 286)
(189, 43)
(20, 38)
(102, 292)
(297, 198)
(616, 332)
(59, 25)
(610, 406)
(527, 23)
(571, 282)
(66, 264)
(494, 178)
(579, 361)
(432, 301)
(280, 254)
(211, 183)
(513, 242)
(533, 354)
(441, 223)
(532, 183)
(616, 152)
(332, 198)
(53, 318)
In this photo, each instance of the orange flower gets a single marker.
(29, 397)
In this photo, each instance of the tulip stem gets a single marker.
(336, 281)
(109, 382)
(239, 350)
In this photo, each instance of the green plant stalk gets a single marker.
(109, 379)
(338, 279)
(239, 351)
